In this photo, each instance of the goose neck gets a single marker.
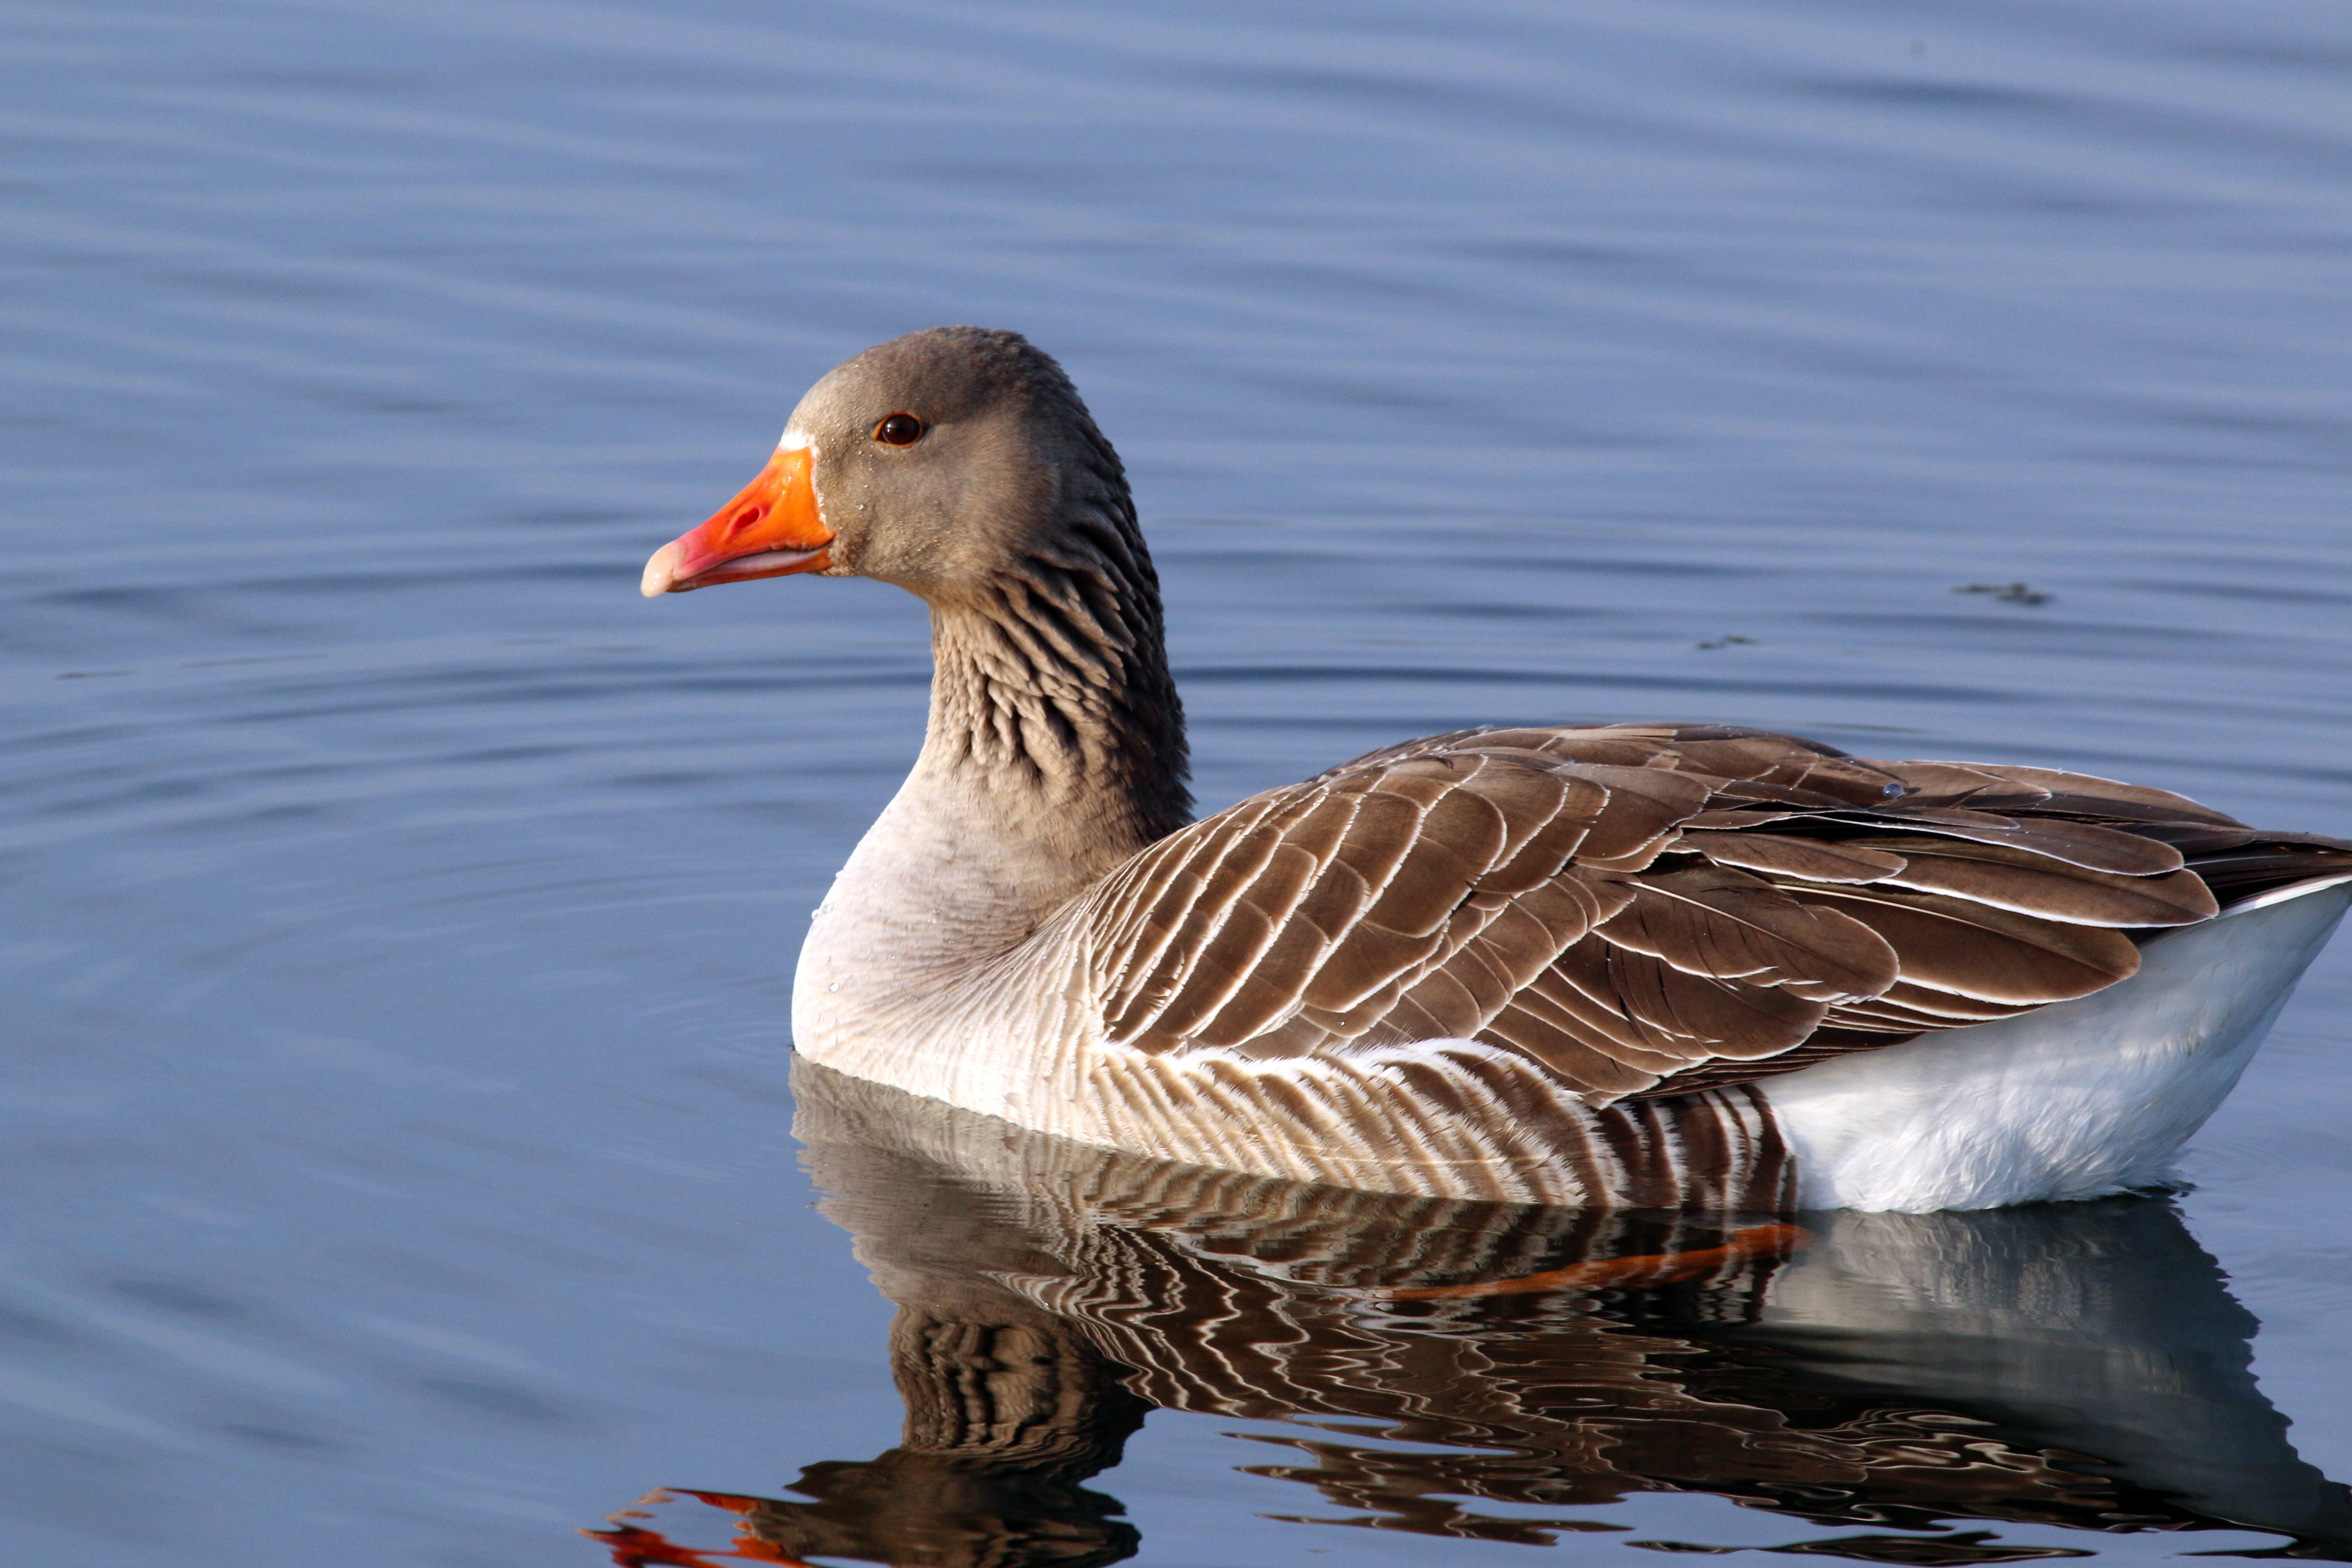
(1055, 752)
(1054, 725)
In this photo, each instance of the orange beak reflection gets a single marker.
(770, 530)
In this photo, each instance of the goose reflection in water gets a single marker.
(2076, 1365)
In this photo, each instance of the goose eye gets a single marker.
(899, 430)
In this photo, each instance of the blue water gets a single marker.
(397, 1152)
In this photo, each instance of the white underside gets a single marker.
(2075, 1101)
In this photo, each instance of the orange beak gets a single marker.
(770, 530)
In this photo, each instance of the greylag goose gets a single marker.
(1591, 964)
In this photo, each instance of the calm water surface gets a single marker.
(397, 1139)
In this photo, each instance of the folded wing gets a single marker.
(1652, 909)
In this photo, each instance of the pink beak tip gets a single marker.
(661, 571)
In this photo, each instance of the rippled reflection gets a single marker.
(2074, 1366)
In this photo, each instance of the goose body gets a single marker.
(1632, 965)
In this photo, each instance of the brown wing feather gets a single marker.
(1655, 908)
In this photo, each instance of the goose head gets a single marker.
(933, 461)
